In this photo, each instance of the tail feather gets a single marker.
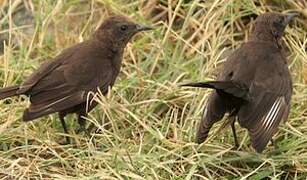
(229, 87)
(28, 116)
(8, 92)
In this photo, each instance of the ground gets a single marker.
(145, 128)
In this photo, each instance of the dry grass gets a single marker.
(146, 125)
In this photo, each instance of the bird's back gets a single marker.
(256, 62)
(72, 74)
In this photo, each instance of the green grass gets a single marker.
(147, 123)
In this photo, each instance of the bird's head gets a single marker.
(271, 26)
(119, 29)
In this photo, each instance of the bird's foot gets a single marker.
(80, 130)
(92, 128)
(236, 147)
(65, 141)
(274, 144)
(83, 129)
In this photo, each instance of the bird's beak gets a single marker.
(141, 27)
(290, 16)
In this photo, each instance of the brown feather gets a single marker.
(61, 84)
(259, 67)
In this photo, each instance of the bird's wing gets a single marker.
(57, 104)
(213, 112)
(46, 68)
(268, 106)
(67, 85)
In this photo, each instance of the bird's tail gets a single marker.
(8, 92)
(228, 87)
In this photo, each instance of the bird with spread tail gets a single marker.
(254, 86)
(62, 84)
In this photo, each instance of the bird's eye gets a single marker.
(280, 20)
(124, 27)
(279, 23)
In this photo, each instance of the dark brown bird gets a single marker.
(62, 84)
(254, 86)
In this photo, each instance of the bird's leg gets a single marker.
(62, 118)
(272, 142)
(82, 123)
(91, 127)
(233, 128)
(83, 112)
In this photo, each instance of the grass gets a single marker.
(147, 123)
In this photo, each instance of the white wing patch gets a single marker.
(270, 117)
(205, 111)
